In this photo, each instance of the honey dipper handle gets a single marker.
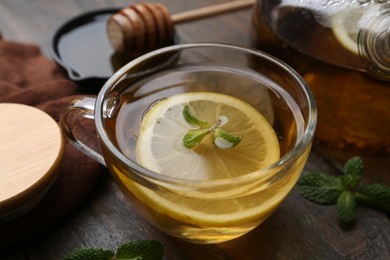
(211, 10)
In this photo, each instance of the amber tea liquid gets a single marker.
(198, 214)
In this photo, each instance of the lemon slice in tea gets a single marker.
(160, 148)
(160, 144)
(345, 27)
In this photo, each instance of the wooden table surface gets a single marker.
(299, 229)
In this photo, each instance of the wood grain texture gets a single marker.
(31, 148)
(299, 229)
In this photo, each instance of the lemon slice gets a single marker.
(345, 27)
(160, 148)
(160, 144)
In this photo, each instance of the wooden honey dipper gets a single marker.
(146, 26)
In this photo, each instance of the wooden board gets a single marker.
(299, 229)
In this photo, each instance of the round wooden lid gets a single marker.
(31, 148)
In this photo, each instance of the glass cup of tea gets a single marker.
(206, 140)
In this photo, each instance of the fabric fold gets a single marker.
(27, 77)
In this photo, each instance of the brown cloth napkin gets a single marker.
(27, 77)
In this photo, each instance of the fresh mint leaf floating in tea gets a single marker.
(133, 250)
(192, 119)
(225, 140)
(193, 137)
(345, 191)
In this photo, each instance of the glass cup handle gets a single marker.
(78, 124)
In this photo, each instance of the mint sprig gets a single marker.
(193, 137)
(133, 250)
(345, 191)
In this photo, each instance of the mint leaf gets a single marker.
(353, 172)
(345, 190)
(349, 181)
(375, 196)
(320, 188)
(224, 139)
(134, 250)
(90, 254)
(194, 137)
(192, 119)
(354, 166)
(346, 207)
(141, 250)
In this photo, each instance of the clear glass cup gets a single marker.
(200, 211)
